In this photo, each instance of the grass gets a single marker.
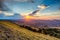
(55, 32)
(11, 31)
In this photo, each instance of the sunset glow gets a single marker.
(45, 10)
(28, 18)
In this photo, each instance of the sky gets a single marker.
(47, 9)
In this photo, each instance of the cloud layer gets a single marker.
(8, 14)
(40, 8)
(19, 0)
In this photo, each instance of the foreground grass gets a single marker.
(10, 31)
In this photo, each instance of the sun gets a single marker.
(28, 17)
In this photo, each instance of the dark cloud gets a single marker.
(59, 8)
(3, 7)
(34, 12)
(40, 7)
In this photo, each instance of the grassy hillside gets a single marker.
(11, 31)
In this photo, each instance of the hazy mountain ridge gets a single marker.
(39, 23)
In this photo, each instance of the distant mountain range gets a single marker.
(40, 23)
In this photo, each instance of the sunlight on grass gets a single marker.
(25, 34)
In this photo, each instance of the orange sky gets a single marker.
(41, 17)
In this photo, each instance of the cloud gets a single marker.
(19, 0)
(8, 14)
(0, 12)
(34, 12)
(59, 7)
(42, 6)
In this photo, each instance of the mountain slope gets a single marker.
(10, 31)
